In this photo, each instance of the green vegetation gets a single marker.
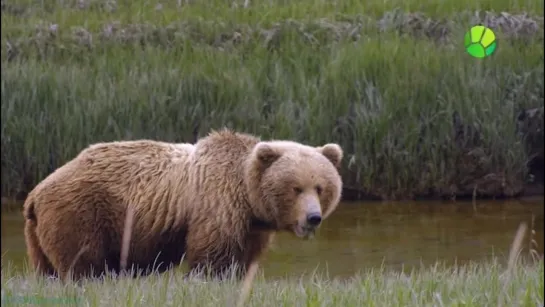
(484, 284)
(375, 76)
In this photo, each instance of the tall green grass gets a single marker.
(382, 84)
(474, 285)
(73, 12)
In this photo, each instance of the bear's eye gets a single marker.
(298, 190)
(318, 189)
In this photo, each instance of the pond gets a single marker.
(364, 235)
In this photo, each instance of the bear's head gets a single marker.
(292, 186)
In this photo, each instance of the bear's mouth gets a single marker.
(304, 231)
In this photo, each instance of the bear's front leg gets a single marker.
(224, 257)
(256, 244)
(214, 254)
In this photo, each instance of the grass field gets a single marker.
(478, 285)
(374, 76)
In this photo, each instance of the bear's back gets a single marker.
(131, 172)
(136, 170)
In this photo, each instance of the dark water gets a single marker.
(370, 235)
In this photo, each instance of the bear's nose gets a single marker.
(314, 219)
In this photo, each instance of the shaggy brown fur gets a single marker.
(216, 202)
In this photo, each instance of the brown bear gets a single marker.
(214, 203)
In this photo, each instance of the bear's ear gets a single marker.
(266, 153)
(333, 153)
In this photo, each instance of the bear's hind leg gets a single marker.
(37, 258)
(87, 259)
(81, 247)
